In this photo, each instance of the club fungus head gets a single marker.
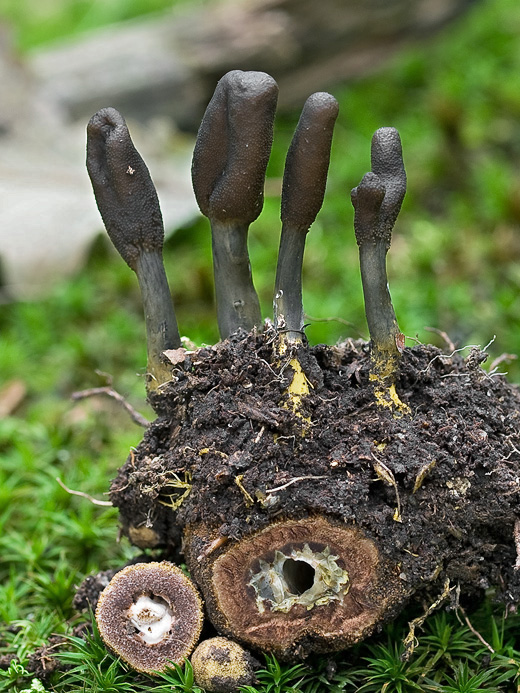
(150, 614)
(233, 146)
(367, 199)
(387, 163)
(307, 161)
(296, 586)
(222, 666)
(124, 191)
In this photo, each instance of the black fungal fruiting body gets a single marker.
(229, 163)
(129, 207)
(377, 201)
(310, 513)
(303, 189)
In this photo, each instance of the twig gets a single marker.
(110, 392)
(475, 632)
(444, 336)
(503, 358)
(448, 356)
(342, 321)
(107, 504)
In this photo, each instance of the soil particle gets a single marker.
(43, 663)
(88, 592)
(438, 490)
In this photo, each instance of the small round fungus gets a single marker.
(222, 666)
(150, 614)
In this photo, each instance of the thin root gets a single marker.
(410, 642)
(110, 392)
(81, 494)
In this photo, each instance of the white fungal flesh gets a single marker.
(152, 618)
(318, 585)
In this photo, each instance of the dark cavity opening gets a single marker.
(299, 576)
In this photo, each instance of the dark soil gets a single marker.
(232, 455)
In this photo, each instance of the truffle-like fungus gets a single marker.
(150, 614)
(222, 666)
(297, 586)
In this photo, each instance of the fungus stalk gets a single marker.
(304, 182)
(377, 201)
(228, 171)
(128, 203)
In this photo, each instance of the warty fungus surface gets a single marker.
(222, 666)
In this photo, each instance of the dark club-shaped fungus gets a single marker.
(222, 666)
(150, 614)
(127, 200)
(303, 189)
(228, 171)
(377, 201)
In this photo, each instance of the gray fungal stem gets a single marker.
(377, 201)
(228, 172)
(304, 182)
(128, 203)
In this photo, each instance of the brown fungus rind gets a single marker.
(173, 588)
(372, 595)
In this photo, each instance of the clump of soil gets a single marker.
(436, 490)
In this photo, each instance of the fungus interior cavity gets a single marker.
(152, 618)
(299, 576)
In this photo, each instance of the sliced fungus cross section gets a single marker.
(297, 585)
(299, 576)
(150, 614)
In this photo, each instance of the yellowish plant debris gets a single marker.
(385, 474)
(422, 474)
(410, 642)
(175, 500)
(249, 498)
